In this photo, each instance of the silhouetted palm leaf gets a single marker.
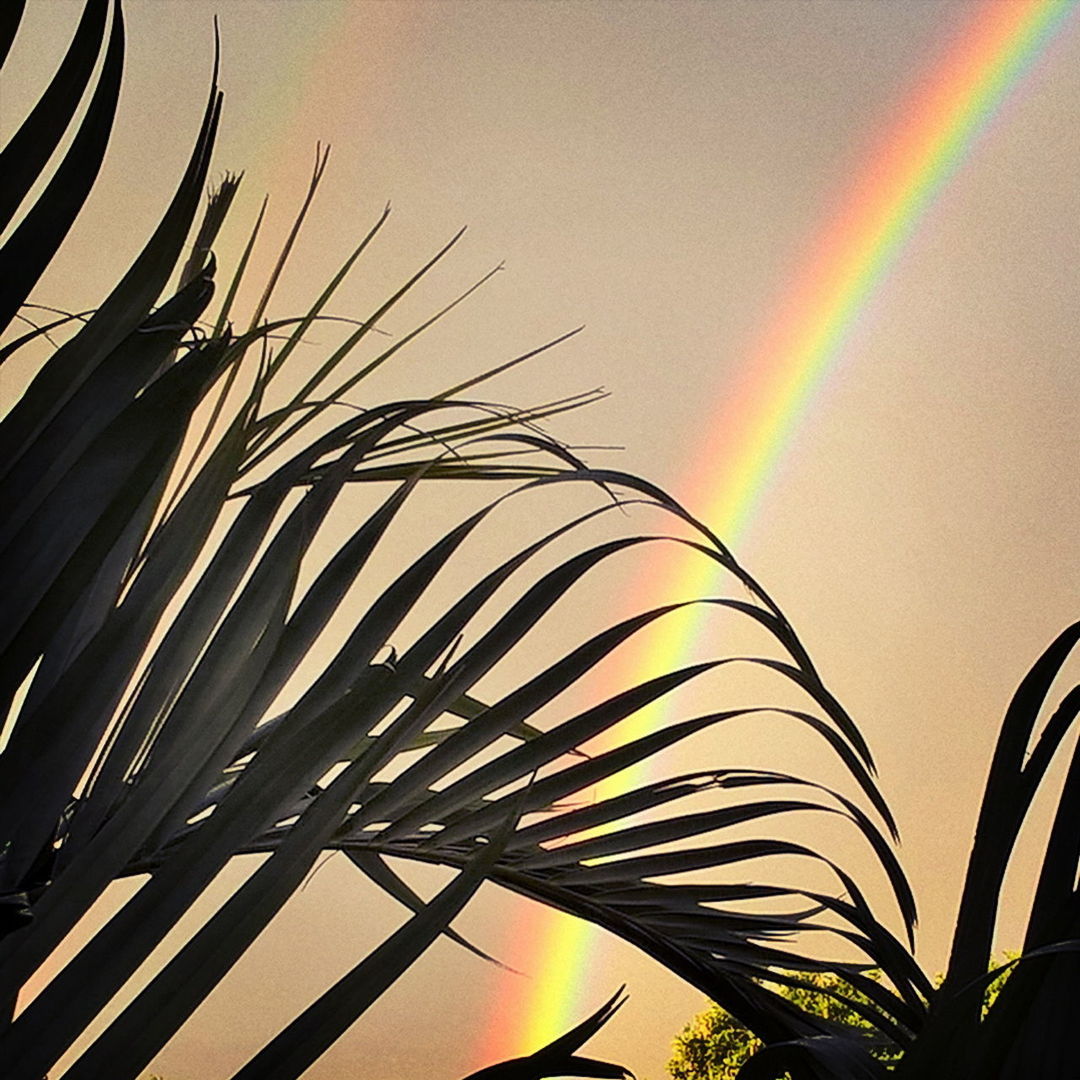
(1026, 1032)
(558, 1058)
(164, 585)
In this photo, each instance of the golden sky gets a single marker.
(655, 170)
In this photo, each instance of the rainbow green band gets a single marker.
(937, 128)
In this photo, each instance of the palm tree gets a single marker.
(160, 516)
(172, 704)
(974, 1022)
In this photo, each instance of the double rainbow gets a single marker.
(933, 131)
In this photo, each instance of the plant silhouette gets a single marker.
(164, 488)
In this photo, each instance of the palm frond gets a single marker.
(559, 1057)
(169, 589)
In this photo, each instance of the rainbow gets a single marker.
(933, 131)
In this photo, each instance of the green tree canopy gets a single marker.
(714, 1046)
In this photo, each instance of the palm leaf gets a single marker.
(27, 153)
(38, 236)
(1018, 1033)
(164, 632)
(558, 1058)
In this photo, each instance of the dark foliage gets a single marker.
(162, 492)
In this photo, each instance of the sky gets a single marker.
(658, 171)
